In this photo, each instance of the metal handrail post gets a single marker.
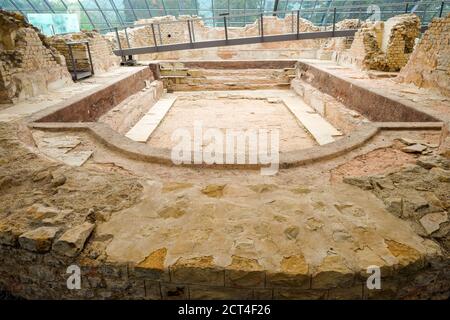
(90, 58)
(225, 27)
(154, 37)
(126, 37)
(189, 29)
(334, 20)
(262, 25)
(74, 67)
(116, 30)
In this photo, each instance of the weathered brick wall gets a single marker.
(29, 66)
(429, 64)
(101, 51)
(384, 46)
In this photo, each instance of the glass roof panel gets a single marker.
(118, 13)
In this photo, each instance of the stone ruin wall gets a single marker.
(383, 46)
(29, 66)
(429, 64)
(172, 31)
(101, 51)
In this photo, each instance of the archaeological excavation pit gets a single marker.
(351, 117)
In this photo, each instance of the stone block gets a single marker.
(38, 240)
(71, 242)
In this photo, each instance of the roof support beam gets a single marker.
(103, 14)
(148, 9)
(132, 10)
(17, 8)
(87, 15)
(164, 7)
(113, 5)
(64, 4)
(49, 6)
(32, 6)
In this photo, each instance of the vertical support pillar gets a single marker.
(298, 23)
(74, 66)
(90, 57)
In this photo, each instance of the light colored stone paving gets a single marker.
(63, 148)
(144, 128)
(235, 110)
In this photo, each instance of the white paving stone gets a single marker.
(322, 131)
(143, 129)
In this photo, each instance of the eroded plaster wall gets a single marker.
(29, 66)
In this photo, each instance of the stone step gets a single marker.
(322, 131)
(143, 129)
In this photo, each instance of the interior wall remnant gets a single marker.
(29, 66)
(383, 46)
(172, 30)
(429, 64)
(101, 48)
(332, 45)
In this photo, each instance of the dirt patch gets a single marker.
(379, 161)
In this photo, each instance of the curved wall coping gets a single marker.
(139, 151)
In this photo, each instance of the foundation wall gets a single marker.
(336, 113)
(43, 276)
(93, 105)
(374, 106)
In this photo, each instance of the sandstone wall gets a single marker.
(429, 65)
(384, 46)
(29, 66)
(101, 51)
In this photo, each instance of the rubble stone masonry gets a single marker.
(101, 51)
(429, 65)
(29, 66)
(383, 46)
